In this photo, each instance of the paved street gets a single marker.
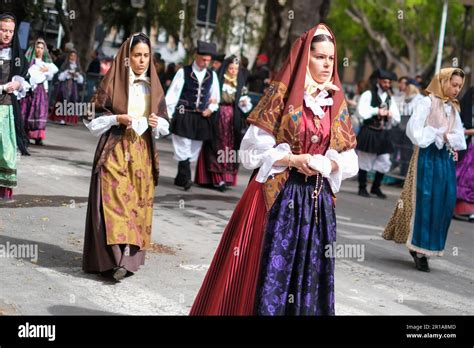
(50, 210)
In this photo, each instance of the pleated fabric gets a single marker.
(229, 287)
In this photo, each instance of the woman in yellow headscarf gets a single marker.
(423, 214)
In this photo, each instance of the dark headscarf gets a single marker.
(20, 70)
(66, 65)
(240, 84)
(111, 98)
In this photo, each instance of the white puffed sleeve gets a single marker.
(364, 109)
(258, 150)
(395, 113)
(52, 70)
(24, 87)
(174, 92)
(64, 75)
(79, 78)
(456, 137)
(36, 76)
(419, 134)
(215, 93)
(348, 164)
(245, 104)
(163, 128)
(102, 124)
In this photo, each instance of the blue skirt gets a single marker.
(435, 200)
(296, 278)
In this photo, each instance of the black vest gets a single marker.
(189, 95)
(374, 121)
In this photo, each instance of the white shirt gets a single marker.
(139, 99)
(366, 111)
(176, 87)
(65, 75)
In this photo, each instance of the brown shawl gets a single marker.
(280, 110)
(111, 98)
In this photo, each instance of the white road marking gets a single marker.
(369, 227)
(125, 297)
(206, 215)
(195, 267)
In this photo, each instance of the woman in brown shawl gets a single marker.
(128, 102)
(273, 259)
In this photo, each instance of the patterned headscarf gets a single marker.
(31, 52)
(439, 85)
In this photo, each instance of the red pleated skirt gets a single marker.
(229, 287)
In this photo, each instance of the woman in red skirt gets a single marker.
(272, 259)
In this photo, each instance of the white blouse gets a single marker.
(137, 97)
(37, 76)
(423, 135)
(259, 150)
(65, 75)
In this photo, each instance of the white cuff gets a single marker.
(24, 87)
(102, 124)
(348, 166)
(213, 107)
(457, 141)
(79, 79)
(248, 106)
(322, 164)
(163, 128)
(270, 157)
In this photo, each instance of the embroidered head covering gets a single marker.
(280, 110)
(31, 52)
(439, 85)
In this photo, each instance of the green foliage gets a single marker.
(418, 20)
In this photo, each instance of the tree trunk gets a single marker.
(285, 23)
(86, 17)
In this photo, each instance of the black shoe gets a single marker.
(363, 192)
(188, 185)
(39, 142)
(376, 191)
(421, 263)
(119, 273)
(221, 187)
